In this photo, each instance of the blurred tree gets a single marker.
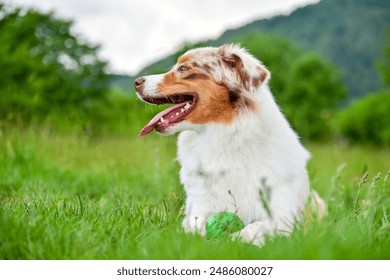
(367, 119)
(384, 63)
(314, 90)
(44, 66)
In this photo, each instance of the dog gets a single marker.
(236, 149)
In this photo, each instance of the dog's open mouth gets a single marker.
(185, 103)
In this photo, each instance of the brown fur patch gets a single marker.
(239, 101)
(234, 96)
(194, 76)
(256, 81)
(184, 59)
(264, 74)
(213, 103)
(250, 104)
(206, 67)
(245, 78)
(223, 50)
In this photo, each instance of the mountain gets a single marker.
(122, 82)
(348, 33)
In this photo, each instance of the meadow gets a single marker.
(69, 196)
(77, 182)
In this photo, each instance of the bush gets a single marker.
(367, 119)
(314, 91)
(45, 66)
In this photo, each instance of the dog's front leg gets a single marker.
(197, 211)
(255, 233)
(195, 224)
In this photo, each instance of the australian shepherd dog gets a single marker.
(236, 149)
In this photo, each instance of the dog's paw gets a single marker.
(195, 224)
(254, 233)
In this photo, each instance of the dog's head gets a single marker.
(206, 85)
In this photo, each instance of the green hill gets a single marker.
(122, 82)
(348, 33)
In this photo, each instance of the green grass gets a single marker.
(65, 196)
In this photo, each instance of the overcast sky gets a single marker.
(134, 33)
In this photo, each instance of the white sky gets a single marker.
(134, 33)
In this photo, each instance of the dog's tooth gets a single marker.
(162, 119)
(177, 113)
(188, 105)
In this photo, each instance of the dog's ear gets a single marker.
(232, 60)
(263, 76)
(250, 71)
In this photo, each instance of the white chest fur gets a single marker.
(254, 167)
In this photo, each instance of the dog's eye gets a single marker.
(182, 68)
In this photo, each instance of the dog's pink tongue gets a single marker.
(164, 115)
(146, 130)
(152, 124)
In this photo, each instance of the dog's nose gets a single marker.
(139, 83)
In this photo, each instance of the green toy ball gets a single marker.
(223, 223)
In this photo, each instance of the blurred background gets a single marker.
(76, 180)
(70, 65)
